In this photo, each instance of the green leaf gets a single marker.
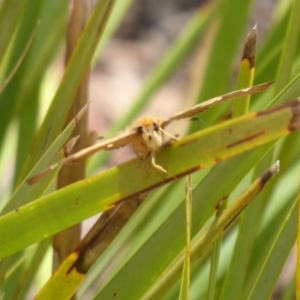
(26, 192)
(186, 277)
(88, 197)
(276, 258)
(78, 64)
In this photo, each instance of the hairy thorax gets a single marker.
(148, 137)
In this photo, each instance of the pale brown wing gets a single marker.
(110, 144)
(191, 112)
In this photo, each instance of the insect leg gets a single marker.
(156, 166)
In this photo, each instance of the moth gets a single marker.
(146, 135)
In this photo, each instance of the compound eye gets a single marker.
(139, 130)
(155, 126)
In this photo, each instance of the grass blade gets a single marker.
(75, 71)
(88, 197)
(185, 280)
(269, 274)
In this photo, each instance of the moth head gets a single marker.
(149, 129)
